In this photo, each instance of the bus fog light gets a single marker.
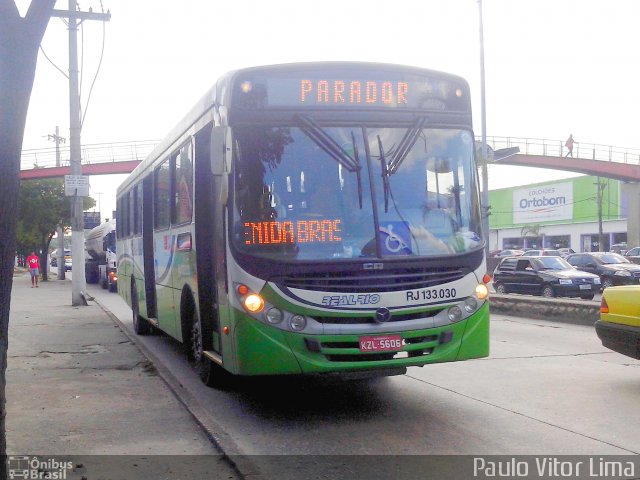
(454, 314)
(274, 315)
(482, 291)
(253, 303)
(470, 304)
(297, 323)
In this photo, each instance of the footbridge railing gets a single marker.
(556, 148)
(90, 154)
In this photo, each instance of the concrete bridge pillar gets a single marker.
(632, 192)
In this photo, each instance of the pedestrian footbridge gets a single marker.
(97, 159)
(588, 158)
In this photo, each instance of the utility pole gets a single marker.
(58, 139)
(79, 283)
(60, 233)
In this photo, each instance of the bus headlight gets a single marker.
(274, 315)
(482, 291)
(454, 314)
(297, 323)
(470, 304)
(253, 303)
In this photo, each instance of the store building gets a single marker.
(563, 213)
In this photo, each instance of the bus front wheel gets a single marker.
(197, 342)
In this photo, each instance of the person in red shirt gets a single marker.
(33, 262)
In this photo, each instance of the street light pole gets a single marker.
(600, 186)
(483, 161)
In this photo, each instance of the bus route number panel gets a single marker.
(381, 343)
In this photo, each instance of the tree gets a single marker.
(20, 39)
(43, 206)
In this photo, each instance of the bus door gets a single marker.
(147, 247)
(209, 235)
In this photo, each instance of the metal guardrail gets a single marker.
(556, 148)
(138, 150)
(90, 154)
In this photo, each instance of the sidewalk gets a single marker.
(76, 385)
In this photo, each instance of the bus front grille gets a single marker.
(400, 317)
(370, 280)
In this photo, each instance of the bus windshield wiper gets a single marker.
(356, 157)
(316, 133)
(406, 144)
(386, 187)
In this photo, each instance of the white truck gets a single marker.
(101, 262)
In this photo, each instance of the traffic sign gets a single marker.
(76, 185)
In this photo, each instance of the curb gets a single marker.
(216, 434)
(577, 312)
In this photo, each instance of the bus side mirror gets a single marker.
(218, 151)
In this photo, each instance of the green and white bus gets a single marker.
(313, 218)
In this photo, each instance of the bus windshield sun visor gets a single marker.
(316, 133)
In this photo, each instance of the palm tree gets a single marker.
(530, 231)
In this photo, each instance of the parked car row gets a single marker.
(574, 276)
(549, 276)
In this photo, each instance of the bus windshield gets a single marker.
(310, 192)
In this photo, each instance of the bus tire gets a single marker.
(196, 342)
(140, 325)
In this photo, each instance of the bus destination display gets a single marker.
(405, 92)
(290, 232)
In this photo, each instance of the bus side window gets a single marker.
(183, 188)
(161, 196)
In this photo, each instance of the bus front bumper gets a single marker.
(265, 350)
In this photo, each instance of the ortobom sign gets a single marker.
(543, 203)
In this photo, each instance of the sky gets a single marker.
(552, 67)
